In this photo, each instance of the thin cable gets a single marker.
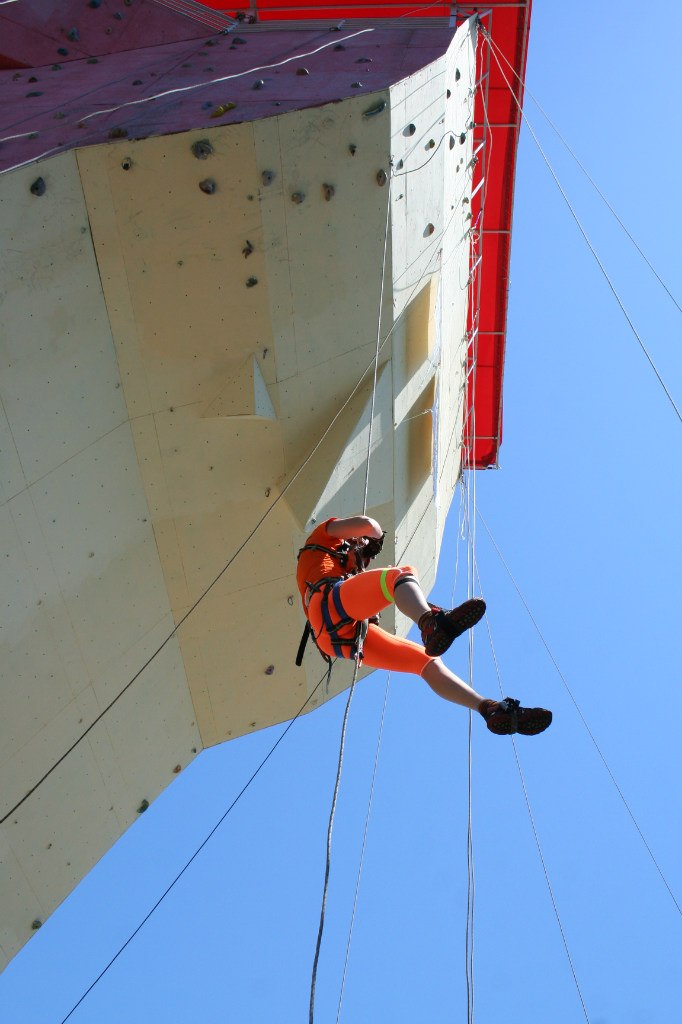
(580, 714)
(587, 240)
(196, 852)
(587, 175)
(364, 844)
(187, 88)
(534, 828)
(358, 654)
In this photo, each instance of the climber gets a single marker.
(342, 599)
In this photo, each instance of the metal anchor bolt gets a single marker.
(202, 149)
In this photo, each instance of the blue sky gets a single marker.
(586, 508)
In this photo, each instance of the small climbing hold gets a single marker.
(297, 197)
(118, 16)
(239, 41)
(208, 186)
(364, 60)
(302, 71)
(28, 94)
(59, 115)
(430, 144)
(458, 74)
(382, 177)
(211, 42)
(118, 133)
(428, 230)
(251, 282)
(448, 94)
(62, 51)
(95, 4)
(269, 671)
(373, 111)
(339, 46)
(247, 250)
(258, 84)
(410, 130)
(356, 85)
(143, 807)
(207, 105)
(31, 79)
(202, 149)
(38, 188)
(462, 138)
(267, 177)
(328, 191)
(223, 109)
(399, 165)
(73, 35)
(177, 769)
(137, 81)
(126, 163)
(55, 67)
(352, 149)
(93, 60)
(452, 142)
(35, 925)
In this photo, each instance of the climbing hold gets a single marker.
(269, 670)
(126, 163)
(143, 807)
(339, 46)
(73, 35)
(128, 3)
(223, 109)
(462, 138)
(38, 188)
(452, 142)
(328, 191)
(251, 282)
(297, 197)
(207, 105)
(211, 42)
(208, 186)
(428, 230)
(356, 85)
(35, 925)
(302, 71)
(137, 81)
(118, 16)
(55, 67)
(62, 51)
(448, 94)
(267, 177)
(59, 115)
(93, 60)
(430, 144)
(202, 149)
(28, 94)
(258, 84)
(399, 165)
(31, 79)
(239, 41)
(247, 250)
(177, 769)
(382, 177)
(410, 129)
(95, 4)
(352, 149)
(290, 599)
(458, 74)
(364, 60)
(118, 133)
(373, 111)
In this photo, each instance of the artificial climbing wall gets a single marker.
(189, 325)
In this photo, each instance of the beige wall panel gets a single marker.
(58, 371)
(182, 250)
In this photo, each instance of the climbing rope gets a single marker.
(358, 655)
(581, 715)
(586, 237)
(587, 174)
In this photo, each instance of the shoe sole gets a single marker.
(458, 621)
(529, 722)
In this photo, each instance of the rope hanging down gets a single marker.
(584, 234)
(313, 980)
(587, 174)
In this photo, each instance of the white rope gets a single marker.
(580, 714)
(587, 240)
(586, 173)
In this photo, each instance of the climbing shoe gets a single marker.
(506, 716)
(439, 628)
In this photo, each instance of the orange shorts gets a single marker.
(362, 596)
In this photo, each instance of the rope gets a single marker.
(196, 852)
(587, 239)
(582, 717)
(313, 980)
(587, 174)
(364, 844)
(534, 828)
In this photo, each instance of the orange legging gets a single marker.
(362, 596)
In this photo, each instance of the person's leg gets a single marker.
(449, 686)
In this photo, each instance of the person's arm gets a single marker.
(355, 526)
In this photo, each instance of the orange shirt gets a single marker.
(315, 565)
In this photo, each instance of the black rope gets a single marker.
(196, 852)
